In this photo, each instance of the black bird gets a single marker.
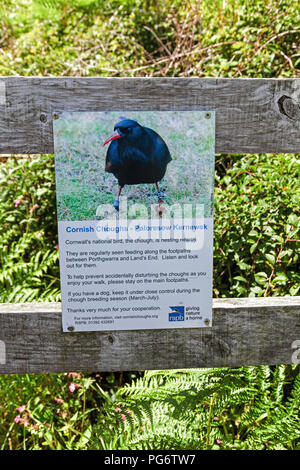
(136, 155)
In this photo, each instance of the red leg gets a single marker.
(160, 200)
(116, 202)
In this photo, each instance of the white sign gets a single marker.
(135, 218)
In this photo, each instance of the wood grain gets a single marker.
(245, 332)
(252, 115)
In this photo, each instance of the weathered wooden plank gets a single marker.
(245, 332)
(252, 115)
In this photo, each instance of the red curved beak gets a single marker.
(114, 136)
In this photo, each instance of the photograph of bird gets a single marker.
(136, 155)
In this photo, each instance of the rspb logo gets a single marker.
(176, 314)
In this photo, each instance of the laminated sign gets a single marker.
(135, 218)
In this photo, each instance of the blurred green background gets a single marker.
(256, 245)
(224, 38)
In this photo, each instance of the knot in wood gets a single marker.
(111, 339)
(289, 107)
(43, 117)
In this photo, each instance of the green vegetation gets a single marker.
(233, 409)
(256, 222)
(256, 225)
(256, 38)
(28, 250)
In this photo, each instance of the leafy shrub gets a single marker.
(256, 225)
(234, 409)
(153, 38)
(46, 411)
(28, 250)
(59, 411)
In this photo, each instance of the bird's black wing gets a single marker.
(160, 146)
(133, 156)
(112, 161)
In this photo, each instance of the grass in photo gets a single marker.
(83, 176)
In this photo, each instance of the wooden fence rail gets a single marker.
(252, 115)
(248, 331)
